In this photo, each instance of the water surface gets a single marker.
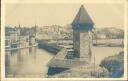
(32, 62)
(28, 62)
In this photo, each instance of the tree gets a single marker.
(114, 64)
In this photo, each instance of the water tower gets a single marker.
(82, 25)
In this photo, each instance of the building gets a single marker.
(81, 26)
(11, 38)
(18, 37)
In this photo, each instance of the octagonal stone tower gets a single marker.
(81, 26)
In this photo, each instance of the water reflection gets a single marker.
(28, 62)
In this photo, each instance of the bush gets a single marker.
(114, 64)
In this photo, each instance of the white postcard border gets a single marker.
(59, 1)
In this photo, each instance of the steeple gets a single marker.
(82, 19)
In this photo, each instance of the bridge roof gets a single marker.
(61, 62)
(82, 17)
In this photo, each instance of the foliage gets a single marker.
(114, 64)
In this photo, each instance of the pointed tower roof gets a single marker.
(82, 17)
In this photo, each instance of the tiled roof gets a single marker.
(82, 17)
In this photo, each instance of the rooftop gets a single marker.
(82, 17)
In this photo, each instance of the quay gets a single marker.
(9, 48)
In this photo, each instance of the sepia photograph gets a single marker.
(64, 40)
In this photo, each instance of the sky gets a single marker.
(29, 14)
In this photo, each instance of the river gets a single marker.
(28, 62)
(32, 62)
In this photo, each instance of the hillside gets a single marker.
(62, 32)
(111, 33)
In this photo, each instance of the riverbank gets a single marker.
(109, 42)
(98, 42)
(89, 71)
(21, 47)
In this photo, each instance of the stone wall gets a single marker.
(85, 50)
(76, 43)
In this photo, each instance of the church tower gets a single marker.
(81, 26)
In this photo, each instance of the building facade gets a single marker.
(20, 37)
